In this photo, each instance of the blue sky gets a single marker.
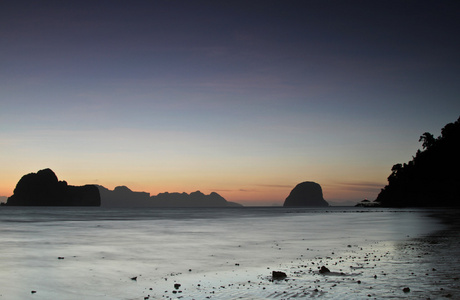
(243, 98)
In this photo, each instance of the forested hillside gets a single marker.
(431, 178)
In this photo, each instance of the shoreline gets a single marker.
(362, 266)
(424, 267)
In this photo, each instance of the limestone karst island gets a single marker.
(306, 194)
(44, 189)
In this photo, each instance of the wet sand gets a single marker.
(417, 268)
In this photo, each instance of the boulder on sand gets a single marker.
(278, 275)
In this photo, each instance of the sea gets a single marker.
(206, 253)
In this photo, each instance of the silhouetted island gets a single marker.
(306, 194)
(195, 199)
(122, 196)
(44, 189)
(431, 178)
(367, 203)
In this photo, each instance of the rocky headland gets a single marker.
(306, 194)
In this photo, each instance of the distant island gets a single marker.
(306, 194)
(368, 203)
(431, 178)
(122, 196)
(44, 189)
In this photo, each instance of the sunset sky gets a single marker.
(244, 98)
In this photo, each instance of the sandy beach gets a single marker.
(90, 254)
(418, 268)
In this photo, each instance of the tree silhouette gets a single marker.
(431, 178)
(427, 139)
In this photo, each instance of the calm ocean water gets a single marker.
(93, 253)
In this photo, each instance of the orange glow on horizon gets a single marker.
(244, 189)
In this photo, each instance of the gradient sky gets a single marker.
(245, 98)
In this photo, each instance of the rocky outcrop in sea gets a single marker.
(44, 189)
(306, 194)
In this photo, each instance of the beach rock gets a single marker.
(278, 275)
(324, 270)
(306, 194)
(177, 286)
(44, 189)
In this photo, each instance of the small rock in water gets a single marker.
(324, 270)
(134, 278)
(406, 290)
(33, 292)
(177, 286)
(278, 275)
